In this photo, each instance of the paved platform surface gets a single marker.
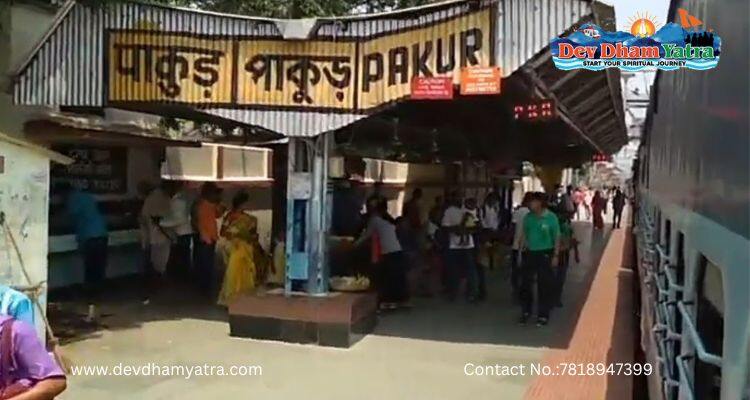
(603, 336)
(414, 355)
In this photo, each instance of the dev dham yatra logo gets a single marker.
(643, 48)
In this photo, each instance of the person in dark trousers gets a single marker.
(178, 222)
(470, 204)
(390, 273)
(568, 242)
(490, 215)
(91, 234)
(412, 210)
(411, 234)
(618, 203)
(147, 269)
(378, 198)
(207, 210)
(460, 225)
(516, 255)
(540, 242)
(438, 240)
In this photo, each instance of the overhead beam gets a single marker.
(615, 90)
(596, 98)
(584, 88)
(604, 128)
(543, 58)
(565, 79)
(543, 91)
(607, 139)
(594, 112)
(599, 118)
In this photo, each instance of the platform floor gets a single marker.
(414, 355)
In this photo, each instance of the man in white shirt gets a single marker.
(490, 218)
(155, 241)
(155, 208)
(179, 222)
(515, 262)
(461, 258)
(491, 213)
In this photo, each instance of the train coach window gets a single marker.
(680, 266)
(679, 271)
(667, 236)
(657, 225)
(710, 324)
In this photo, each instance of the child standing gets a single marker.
(470, 221)
(568, 242)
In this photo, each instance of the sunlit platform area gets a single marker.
(437, 349)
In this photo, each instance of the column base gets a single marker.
(336, 320)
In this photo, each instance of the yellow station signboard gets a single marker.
(350, 75)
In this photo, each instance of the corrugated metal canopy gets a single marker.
(69, 67)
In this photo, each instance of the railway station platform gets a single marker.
(437, 350)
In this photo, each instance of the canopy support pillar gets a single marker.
(309, 203)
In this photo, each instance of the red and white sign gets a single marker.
(431, 88)
(480, 80)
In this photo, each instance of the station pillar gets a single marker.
(309, 201)
(549, 175)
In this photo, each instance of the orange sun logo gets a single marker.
(643, 25)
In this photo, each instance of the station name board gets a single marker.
(352, 75)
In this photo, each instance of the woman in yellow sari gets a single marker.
(247, 262)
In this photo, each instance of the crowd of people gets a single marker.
(454, 245)
(418, 251)
(587, 205)
(458, 238)
(180, 238)
(447, 243)
(235, 242)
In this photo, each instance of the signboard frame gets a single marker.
(324, 74)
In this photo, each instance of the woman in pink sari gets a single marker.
(597, 206)
(27, 371)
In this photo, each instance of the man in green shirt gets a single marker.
(540, 243)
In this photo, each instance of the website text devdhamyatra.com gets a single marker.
(154, 369)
